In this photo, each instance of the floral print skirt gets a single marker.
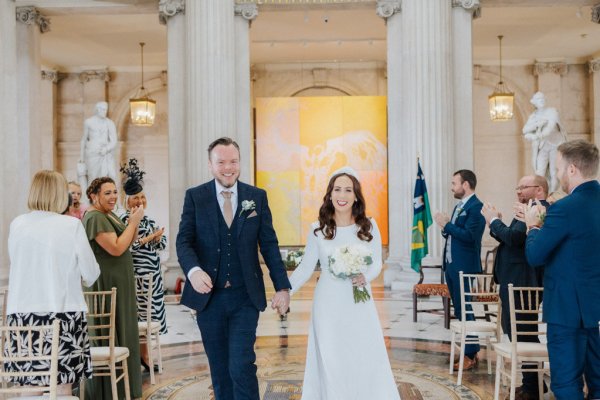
(74, 360)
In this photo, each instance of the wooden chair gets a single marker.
(23, 346)
(421, 289)
(475, 294)
(107, 359)
(522, 353)
(149, 329)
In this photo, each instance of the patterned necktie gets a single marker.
(227, 208)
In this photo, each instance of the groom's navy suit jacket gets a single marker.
(568, 244)
(198, 242)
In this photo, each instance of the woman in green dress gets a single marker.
(110, 239)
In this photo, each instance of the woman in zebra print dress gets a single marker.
(144, 250)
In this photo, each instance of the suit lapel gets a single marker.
(239, 214)
(209, 197)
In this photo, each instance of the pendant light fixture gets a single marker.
(501, 101)
(143, 108)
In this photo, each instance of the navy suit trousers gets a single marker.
(228, 326)
(574, 352)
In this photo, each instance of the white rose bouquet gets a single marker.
(347, 262)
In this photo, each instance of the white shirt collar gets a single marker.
(220, 188)
(466, 198)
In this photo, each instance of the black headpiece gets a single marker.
(134, 177)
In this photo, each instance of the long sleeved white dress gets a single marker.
(346, 357)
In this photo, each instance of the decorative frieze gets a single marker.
(596, 13)
(50, 75)
(594, 65)
(88, 75)
(470, 5)
(248, 11)
(169, 8)
(387, 8)
(31, 15)
(559, 68)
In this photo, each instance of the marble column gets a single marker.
(594, 68)
(10, 173)
(211, 81)
(171, 13)
(94, 89)
(31, 24)
(420, 118)
(463, 12)
(47, 118)
(244, 14)
(549, 81)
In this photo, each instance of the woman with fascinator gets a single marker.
(346, 356)
(150, 240)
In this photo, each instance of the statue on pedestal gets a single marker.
(98, 146)
(544, 131)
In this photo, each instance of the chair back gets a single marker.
(525, 312)
(143, 294)
(101, 318)
(478, 292)
(25, 345)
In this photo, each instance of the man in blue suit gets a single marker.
(222, 224)
(462, 250)
(567, 242)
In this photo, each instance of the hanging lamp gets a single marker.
(501, 101)
(143, 108)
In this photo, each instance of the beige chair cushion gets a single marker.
(154, 326)
(524, 350)
(474, 326)
(46, 396)
(103, 353)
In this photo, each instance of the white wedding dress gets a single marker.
(346, 357)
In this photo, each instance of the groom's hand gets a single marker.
(201, 282)
(281, 301)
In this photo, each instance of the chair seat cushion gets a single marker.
(45, 396)
(474, 326)
(524, 349)
(491, 298)
(431, 289)
(154, 326)
(103, 353)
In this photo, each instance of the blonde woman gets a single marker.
(50, 257)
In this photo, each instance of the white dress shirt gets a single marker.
(50, 258)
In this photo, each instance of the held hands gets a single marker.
(441, 219)
(156, 235)
(201, 282)
(534, 214)
(490, 212)
(519, 210)
(281, 301)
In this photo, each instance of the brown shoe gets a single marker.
(456, 358)
(468, 363)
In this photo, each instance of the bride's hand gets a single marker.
(359, 280)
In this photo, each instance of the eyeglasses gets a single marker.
(521, 188)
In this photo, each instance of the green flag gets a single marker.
(421, 221)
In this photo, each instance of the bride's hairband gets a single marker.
(345, 170)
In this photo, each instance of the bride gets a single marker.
(346, 357)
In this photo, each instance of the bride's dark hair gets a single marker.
(327, 211)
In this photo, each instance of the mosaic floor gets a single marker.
(418, 352)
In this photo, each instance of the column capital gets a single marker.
(559, 68)
(473, 6)
(31, 15)
(169, 8)
(387, 8)
(596, 13)
(247, 11)
(50, 75)
(594, 65)
(91, 74)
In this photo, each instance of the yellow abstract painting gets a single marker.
(301, 141)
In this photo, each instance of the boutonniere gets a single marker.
(247, 205)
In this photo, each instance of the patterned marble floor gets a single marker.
(418, 351)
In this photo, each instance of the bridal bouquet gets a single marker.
(347, 262)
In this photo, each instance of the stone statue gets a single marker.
(544, 131)
(98, 146)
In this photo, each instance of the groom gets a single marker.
(222, 224)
